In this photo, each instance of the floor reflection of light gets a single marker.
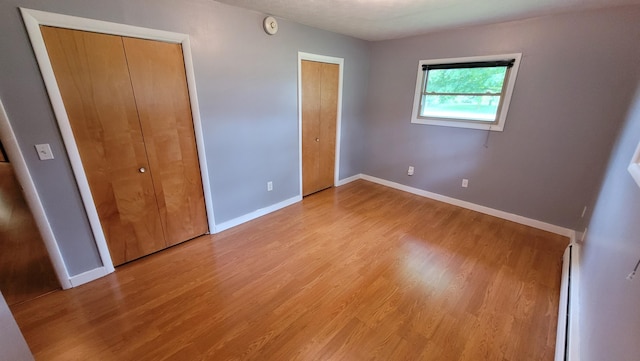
(426, 264)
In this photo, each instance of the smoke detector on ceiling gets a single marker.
(270, 25)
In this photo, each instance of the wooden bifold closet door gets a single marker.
(128, 105)
(319, 116)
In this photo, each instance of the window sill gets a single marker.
(458, 124)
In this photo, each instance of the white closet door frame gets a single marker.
(33, 19)
(8, 139)
(330, 60)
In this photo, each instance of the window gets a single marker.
(465, 92)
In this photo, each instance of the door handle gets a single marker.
(142, 170)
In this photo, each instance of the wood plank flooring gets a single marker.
(25, 268)
(352, 273)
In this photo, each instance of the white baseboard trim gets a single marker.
(571, 234)
(347, 180)
(255, 214)
(475, 207)
(88, 276)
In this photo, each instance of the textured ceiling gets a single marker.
(390, 19)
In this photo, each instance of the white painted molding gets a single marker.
(199, 133)
(33, 19)
(348, 180)
(568, 331)
(8, 138)
(264, 211)
(37, 18)
(573, 347)
(331, 60)
(475, 207)
(561, 329)
(255, 214)
(573, 236)
(86, 277)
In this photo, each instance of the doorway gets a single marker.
(320, 93)
(26, 271)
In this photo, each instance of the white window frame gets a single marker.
(503, 108)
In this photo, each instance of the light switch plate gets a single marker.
(44, 151)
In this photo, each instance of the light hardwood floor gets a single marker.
(354, 273)
(25, 269)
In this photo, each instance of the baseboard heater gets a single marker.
(567, 335)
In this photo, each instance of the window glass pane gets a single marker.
(466, 80)
(482, 108)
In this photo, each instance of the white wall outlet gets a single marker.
(44, 151)
(465, 183)
(269, 186)
(410, 171)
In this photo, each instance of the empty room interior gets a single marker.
(320, 180)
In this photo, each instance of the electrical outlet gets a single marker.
(465, 183)
(410, 171)
(269, 186)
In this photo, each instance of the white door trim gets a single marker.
(33, 19)
(8, 139)
(323, 59)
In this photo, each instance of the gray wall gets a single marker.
(12, 343)
(610, 304)
(576, 78)
(247, 89)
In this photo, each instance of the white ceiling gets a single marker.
(390, 19)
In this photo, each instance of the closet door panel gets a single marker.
(319, 116)
(93, 78)
(327, 126)
(162, 96)
(311, 94)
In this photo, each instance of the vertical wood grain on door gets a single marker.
(162, 97)
(319, 116)
(93, 78)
